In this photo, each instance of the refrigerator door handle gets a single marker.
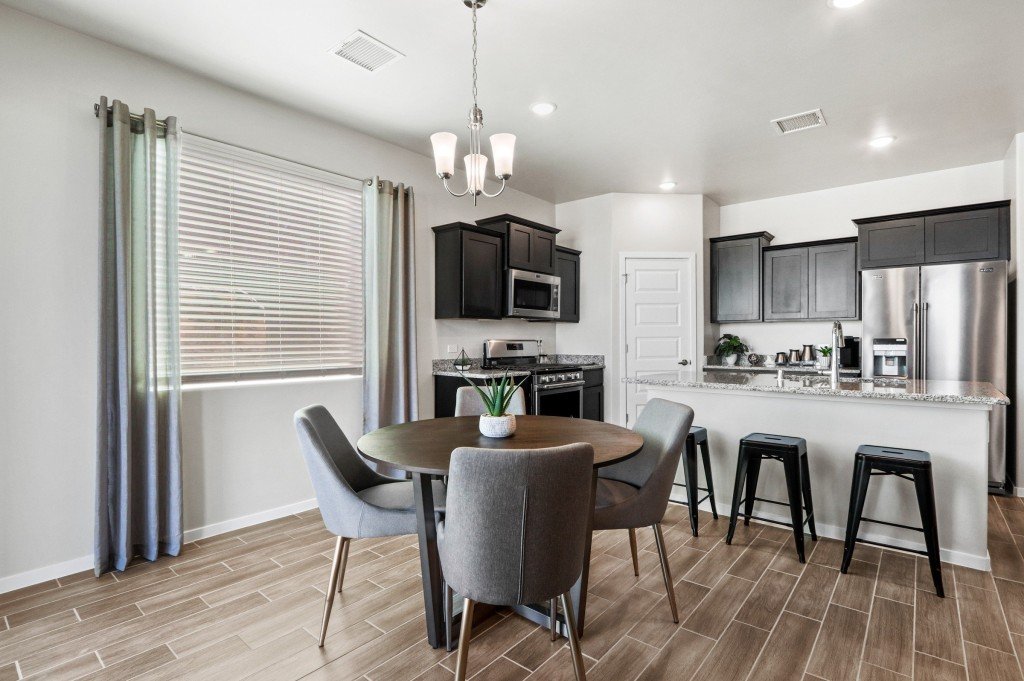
(916, 368)
(924, 344)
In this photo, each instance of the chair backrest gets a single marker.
(664, 426)
(335, 468)
(468, 402)
(515, 522)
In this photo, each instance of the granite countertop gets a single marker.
(949, 392)
(446, 367)
(788, 368)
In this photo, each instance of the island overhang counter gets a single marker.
(949, 419)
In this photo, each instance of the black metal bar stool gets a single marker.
(792, 452)
(909, 464)
(698, 437)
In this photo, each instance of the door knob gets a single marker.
(684, 362)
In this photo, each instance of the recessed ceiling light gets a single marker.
(667, 185)
(880, 142)
(543, 108)
(844, 4)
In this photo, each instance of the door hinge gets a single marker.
(627, 348)
(627, 419)
(625, 278)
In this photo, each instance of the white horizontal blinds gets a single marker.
(270, 266)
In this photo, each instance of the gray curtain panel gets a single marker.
(389, 301)
(138, 481)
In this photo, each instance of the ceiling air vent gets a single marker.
(800, 121)
(366, 51)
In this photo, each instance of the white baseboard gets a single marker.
(834, 532)
(70, 567)
(1018, 491)
(45, 573)
(213, 530)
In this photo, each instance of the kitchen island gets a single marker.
(948, 419)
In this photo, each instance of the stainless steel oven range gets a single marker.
(556, 389)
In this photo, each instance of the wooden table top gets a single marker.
(426, 446)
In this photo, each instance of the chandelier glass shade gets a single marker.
(502, 144)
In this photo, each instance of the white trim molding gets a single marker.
(70, 567)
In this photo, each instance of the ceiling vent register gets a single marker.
(366, 51)
(800, 121)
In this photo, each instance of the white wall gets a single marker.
(1013, 187)
(603, 227)
(828, 214)
(240, 454)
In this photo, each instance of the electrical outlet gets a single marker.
(452, 348)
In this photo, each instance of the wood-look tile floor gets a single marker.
(246, 605)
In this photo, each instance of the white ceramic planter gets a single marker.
(730, 360)
(497, 426)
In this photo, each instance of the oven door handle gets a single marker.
(573, 384)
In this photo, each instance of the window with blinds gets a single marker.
(269, 268)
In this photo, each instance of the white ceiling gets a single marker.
(647, 90)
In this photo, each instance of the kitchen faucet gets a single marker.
(837, 342)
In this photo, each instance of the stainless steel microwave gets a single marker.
(532, 295)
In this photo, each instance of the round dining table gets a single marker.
(424, 448)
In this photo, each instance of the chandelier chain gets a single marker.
(474, 57)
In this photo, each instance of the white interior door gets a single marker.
(659, 326)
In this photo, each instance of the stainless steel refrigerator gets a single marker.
(954, 320)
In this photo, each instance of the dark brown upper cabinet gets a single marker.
(785, 284)
(528, 245)
(568, 266)
(962, 234)
(811, 281)
(892, 243)
(736, 277)
(467, 272)
(833, 283)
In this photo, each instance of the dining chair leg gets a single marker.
(344, 563)
(632, 550)
(449, 639)
(574, 640)
(465, 631)
(340, 549)
(554, 619)
(659, 539)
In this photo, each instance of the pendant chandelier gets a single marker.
(502, 144)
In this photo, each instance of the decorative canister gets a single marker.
(497, 426)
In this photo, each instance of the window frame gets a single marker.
(273, 163)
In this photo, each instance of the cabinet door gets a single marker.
(481, 276)
(736, 281)
(543, 257)
(832, 281)
(892, 243)
(569, 293)
(785, 284)
(520, 247)
(974, 235)
(593, 403)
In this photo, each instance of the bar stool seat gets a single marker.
(792, 453)
(698, 437)
(909, 464)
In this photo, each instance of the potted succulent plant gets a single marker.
(824, 357)
(729, 348)
(497, 394)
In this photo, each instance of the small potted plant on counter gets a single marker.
(497, 394)
(825, 357)
(729, 348)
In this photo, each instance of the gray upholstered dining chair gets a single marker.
(634, 493)
(355, 501)
(514, 532)
(468, 402)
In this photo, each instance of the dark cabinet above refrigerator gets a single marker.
(962, 234)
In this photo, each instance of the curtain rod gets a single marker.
(161, 123)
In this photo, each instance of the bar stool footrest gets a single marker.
(890, 546)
